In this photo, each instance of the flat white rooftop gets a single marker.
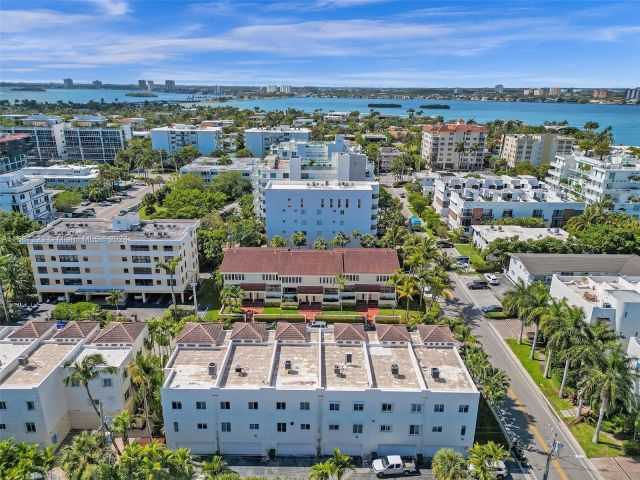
(41, 363)
(113, 356)
(191, 367)
(494, 232)
(319, 185)
(452, 375)
(9, 351)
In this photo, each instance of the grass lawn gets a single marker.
(278, 310)
(468, 250)
(159, 213)
(487, 427)
(208, 295)
(584, 430)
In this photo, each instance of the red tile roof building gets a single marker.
(440, 142)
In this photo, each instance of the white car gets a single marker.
(492, 279)
(317, 324)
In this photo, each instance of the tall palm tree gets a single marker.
(395, 281)
(121, 424)
(341, 283)
(114, 298)
(534, 310)
(214, 467)
(447, 464)
(495, 385)
(81, 459)
(170, 268)
(341, 240)
(440, 285)
(145, 161)
(339, 464)
(298, 239)
(83, 372)
(515, 300)
(608, 384)
(482, 457)
(459, 148)
(5, 264)
(408, 289)
(553, 321)
(142, 371)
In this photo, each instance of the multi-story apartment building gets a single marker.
(67, 82)
(208, 168)
(92, 139)
(615, 177)
(509, 197)
(68, 176)
(260, 140)
(632, 94)
(321, 209)
(35, 405)
(273, 276)
(26, 195)
(387, 156)
(440, 142)
(175, 137)
(534, 148)
(615, 299)
(91, 257)
(13, 151)
(170, 85)
(291, 392)
(47, 137)
(337, 117)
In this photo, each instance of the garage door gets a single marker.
(242, 448)
(296, 449)
(390, 449)
(353, 449)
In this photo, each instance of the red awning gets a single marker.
(310, 289)
(253, 287)
(367, 287)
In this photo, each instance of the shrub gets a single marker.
(391, 319)
(340, 318)
(485, 267)
(631, 448)
(496, 315)
(330, 308)
(68, 312)
(280, 317)
(289, 306)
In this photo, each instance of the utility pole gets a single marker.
(554, 450)
(194, 285)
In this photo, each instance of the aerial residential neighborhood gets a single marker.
(366, 256)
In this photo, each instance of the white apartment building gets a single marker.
(616, 177)
(439, 143)
(534, 148)
(259, 140)
(321, 209)
(304, 122)
(175, 137)
(36, 407)
(495, 197)
(13, 151)
(91, 257)
(615, 299)
(28, 196)
(485, 235)
(291, 392)
(92, 139)
(47, 137)
(208, 168)
(337, 117)
(272, 276)
(387, 156)
(532, 267)
(68, 176)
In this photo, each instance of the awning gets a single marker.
(311, 289)
(253, 287)
(367, 287)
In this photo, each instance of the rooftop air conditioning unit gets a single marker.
(337, 370)
(287, 364)
(213, 369)
(23, 360)
(435, 372)
(395, 369)
(238, 368)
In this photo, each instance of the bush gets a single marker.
(631, 448)
(67, 312)
(289, 306)
(341, 318)
(330, 308)
(485, 267)
(280, 317)
(496, 315)
(389, 319)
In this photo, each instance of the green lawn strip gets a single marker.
(468, 250)
(583, 431)
(160, 212)
(487, 427)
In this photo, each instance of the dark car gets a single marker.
(445, 244)
(477, 284)
(492, 308)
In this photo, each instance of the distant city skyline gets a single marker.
(333, 43)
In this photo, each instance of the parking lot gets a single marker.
(133, 196)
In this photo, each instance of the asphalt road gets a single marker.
(135, 196)
(525, 413)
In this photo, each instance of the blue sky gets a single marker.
(324, 42)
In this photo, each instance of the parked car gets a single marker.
(477, 284)
(85, 203)
(492, 279)
(403, 195)
(445, 244)
(123, 212)
(499, 470)
(492, 308)
(393, 465)
(317, 324)
(369, 326)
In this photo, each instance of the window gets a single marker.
(253, 405)
(176, 405)
(3, 426)
(334, 426)
(201, 405)
(436, 429)
(305, 426)
(281, 405)
(414, 430)
(304, 405)
(31, 427)
(225, 406)
(358, 407)
(254, 426)
(281, 427)
(416, 407)
(463, 430)
(387, 407)
(204, 426)
(463, 408)
(438, 407)
(385, 428)
(176, 428)
(3, 405)
(334, 406)
(31, 406)
(357, 428)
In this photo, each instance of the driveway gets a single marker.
(135, 197)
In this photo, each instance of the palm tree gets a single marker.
(341, 282)
(170, 268)
(84, 371)
(444, 261)
(339, 464)
(298, 239)
(145, 161)
(395, 281)
(341, 240)
(495, 385)
(459, 148)
(114, 298)
(277, 241)
(320, 471)
(439, 284)
(5, 264)
(83, 457)
(482, 457)
(447, 464)
(608, 384)
(408, 289)
(214, 467)
(142, 370)
(121, 424)
(533, 308)
(514, 301)
(320, 244)
(356, 235)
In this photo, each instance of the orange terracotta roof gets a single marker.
(32, 330)
(193, 332)
(349, 332)
(249, 331)
(291, 331)
(120, 332)
(77, 330)
(392, 333)
(454, 127)
(435, 334)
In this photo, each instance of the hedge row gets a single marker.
(279, 317)
(340, 318)
(390, 319)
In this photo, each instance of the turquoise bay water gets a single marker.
(84, 95)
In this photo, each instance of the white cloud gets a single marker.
(112, 7)
(29, 20)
